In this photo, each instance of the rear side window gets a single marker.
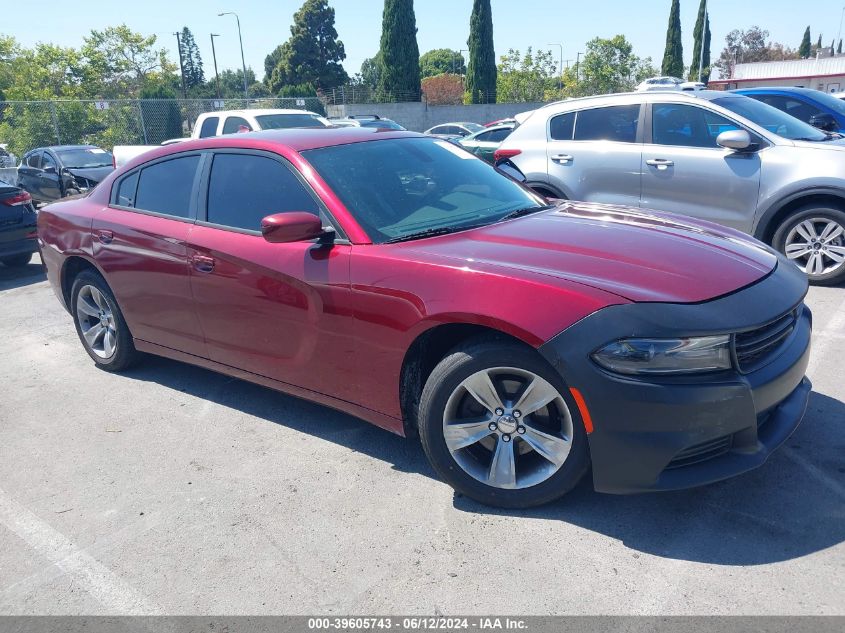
(126, 191)
(497, 136)
(209, 127)
(562, 126)
(233, 123)
(33, 160)
(166, 187)
(614, 123)
(244, 189)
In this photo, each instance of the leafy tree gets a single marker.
(805, 49)
(702, 26)
(525, 78)
(371, 72)
(673, 56)
(118, 62)
(162, 118)
(232, 82)
(399, 63)
(443, 89)
(749, 46)
(608, 66)
(440, 61)
(481, 72)
(312, 55)
(191, 60)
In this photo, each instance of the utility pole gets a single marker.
(842, 15)
(181, 66)
(578, 67)
(241, 40)
(703, 40)
(214, 56)
(560, 73)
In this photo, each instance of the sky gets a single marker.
(440, 23)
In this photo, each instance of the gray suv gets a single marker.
(711, 155)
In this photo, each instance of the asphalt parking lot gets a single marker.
(174, 490)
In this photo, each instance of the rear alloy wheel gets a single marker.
(814, 239)
(99, 323)
(495, 425)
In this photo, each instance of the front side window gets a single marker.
(47, 161)
(166, 187)
(398, 188)
(234, 123)
(613, 123)
(209, 127)
(244, 189)
(687, 126)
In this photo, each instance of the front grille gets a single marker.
(701, 452)
(753, 349)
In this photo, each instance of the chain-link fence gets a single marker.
(25, 125)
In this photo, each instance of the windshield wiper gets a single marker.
(443, 230)
(526, 211)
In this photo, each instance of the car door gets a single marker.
(282, 311)
(685, 171)
(29, 174)
(595, 154)
(49, 187)
(140, 245)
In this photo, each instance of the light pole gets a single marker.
(560, 74)
(241, 40)
(703, 41)
(840, 24)
(214, 56)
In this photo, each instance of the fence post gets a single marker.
(55, 122)
(141, 117)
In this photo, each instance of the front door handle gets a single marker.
(662, 164)
(562, 158)
(202, 263)
(105, 237)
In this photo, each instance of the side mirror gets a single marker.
(296, 226)
(734, 139)
(49, 169)
(824, 121)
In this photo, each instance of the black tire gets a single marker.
(124, 354)
(813, 212)
(461, 363)
(17, 261)
(72, 192)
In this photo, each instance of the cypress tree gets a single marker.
(481, 72)
(701, 24)
(804, 50)
(399, 53)
(839, 48)
(191, 60)
(819, 43)
(673, 57)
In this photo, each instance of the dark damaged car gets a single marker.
(51, 173)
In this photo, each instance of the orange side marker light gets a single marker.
(582, 407)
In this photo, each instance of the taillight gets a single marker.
(504, 154)
(15, 201)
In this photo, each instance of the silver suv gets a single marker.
(711, 155)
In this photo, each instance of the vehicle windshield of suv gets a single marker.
(415, 187)
(283, 121)
(87, 158)
(774, 120)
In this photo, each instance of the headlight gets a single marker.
(666, 356)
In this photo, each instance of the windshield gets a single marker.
(828, 101)
(85, 158)
(282, 121)
(771, 118)
(383, 124)
(473, 127)
(400, 187)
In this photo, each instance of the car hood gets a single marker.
(94, 174)
(635, 254)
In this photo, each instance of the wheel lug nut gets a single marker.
(517, 413)
(506, 438)
(500, 411)
(520, 430)
(492, 426)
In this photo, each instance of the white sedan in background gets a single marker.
(669, 83)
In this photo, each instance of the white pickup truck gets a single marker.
(230, 122)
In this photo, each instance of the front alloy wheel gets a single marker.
(814, 240)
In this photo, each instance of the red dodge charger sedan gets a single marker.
(400, 279)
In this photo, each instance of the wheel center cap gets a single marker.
(104, 320)
(817, 246)
(507, 424)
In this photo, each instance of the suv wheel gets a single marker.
(17, 261)
(814, 238)
(100, 324)
(495, 424)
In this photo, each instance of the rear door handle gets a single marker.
(562, 158)
(202, 263)
(105, 237)
(661, 163)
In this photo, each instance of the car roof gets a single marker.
(258, 112)
(782, 90)
(59, 147)
(654, 95)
